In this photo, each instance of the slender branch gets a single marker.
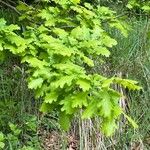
(11, 2)
(12, 7)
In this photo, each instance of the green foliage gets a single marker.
(61, 51)
(17, 124)
(2, 144)
(13, 139)
(136, 4)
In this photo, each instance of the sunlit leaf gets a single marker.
(35, 83)
(64, 121)
(84, 84)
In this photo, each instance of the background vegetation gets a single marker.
(24, 127)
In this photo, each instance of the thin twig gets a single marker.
(12, 2)
(12, 7)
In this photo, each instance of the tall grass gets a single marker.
(132, 57)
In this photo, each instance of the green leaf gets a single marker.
(18, 41)
(108, 41)
(84, 84)
(130, 84)
(146, 8)
(1, 136)
(88, 61)
(75, 1)
(46, 107)
(64, 51)
(121, 27)
(97, 32)
(105, 11)
(51, 97)
(77, 9)
(90, 110)
(115, 96)
(133, 123)
(64, 121)
(117, 111)
(60, 32)
(12, 126)
(35, 83)
(79, 100)
(107, 82)
(40, 92)
(14, 49)
(1, 44)
(44, 72)
(70, 68)
(129, 6)
(13, 27)
(81, 33)
(23, 7)
(62, 81)
(88, 5)
(109, 127)
(102, 51)
(44, 14)
(2, 23)
(35, 62)
(2, 145)
(105, 104)
(67, 105)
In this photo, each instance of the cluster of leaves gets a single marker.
(144, 5)
(13, 139)
(60, 46)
